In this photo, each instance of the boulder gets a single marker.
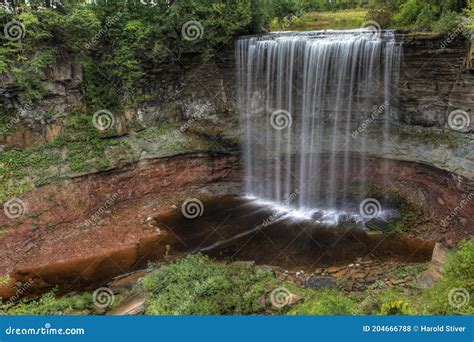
(319, 282)
(435, 270)
(134, 305)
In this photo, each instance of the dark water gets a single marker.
(240, 229)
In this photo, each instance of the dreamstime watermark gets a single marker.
(14, 31)
(281, 119)
(375, 114)
(109, 22)
(372, 28)
(19, 292)
(459, 120)
(46, 330)
(192, 208)
(370, 208)
(280, 297)
(458, 297)
(200, 289)
(149, 2)
(103, 120)
(288, 20)
(21, 113)
(461, 29)
(192, 30)
(274, 216)
(201, 113)
(103, 297)
(14, 208)
(458, 208)
(100, 212)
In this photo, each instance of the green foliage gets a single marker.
(381, 15)
(397, 307)
(5, 280)
(120, 41)
(48, 34)
(456, 284)
(197, 285)
(49, 304)
(431, 15)
(327, 302)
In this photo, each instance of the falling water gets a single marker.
(302, 98)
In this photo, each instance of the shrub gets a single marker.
(49, 304)
(450, 21)
(381, 15)
(327, 302)
(398, 307)
(452, 294)
(197, 285)
(425, 14)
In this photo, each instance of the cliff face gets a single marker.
(434, 81)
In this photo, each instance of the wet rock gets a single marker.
(440, 253)
(126, 281)
(358, 275)
(340, 273)
(265, 269)
(319, 282)
(349, 284)
(378, 225)
(398, 281)
(334, 269)
(134, 305)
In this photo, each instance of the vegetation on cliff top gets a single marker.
(120, 42)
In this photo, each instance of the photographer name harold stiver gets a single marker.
(442, 328)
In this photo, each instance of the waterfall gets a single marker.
(304, 100)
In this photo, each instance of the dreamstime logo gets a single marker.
(281, 119)
(14, 30)
(288, 199)
(370, 208)
(458, 297)
(14, 208)
(22, 112)
(199, 115)
(192, 30)
(280, 297)
(148, 2)
(459, 120)
(103, 120)
(103, 297)
(109, 21)
(192, 208)
(101, 211)
(372, 28)
(467, 198)
(379, 110)
(461, 29)
(20, 291)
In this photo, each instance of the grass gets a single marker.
(343, 19)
